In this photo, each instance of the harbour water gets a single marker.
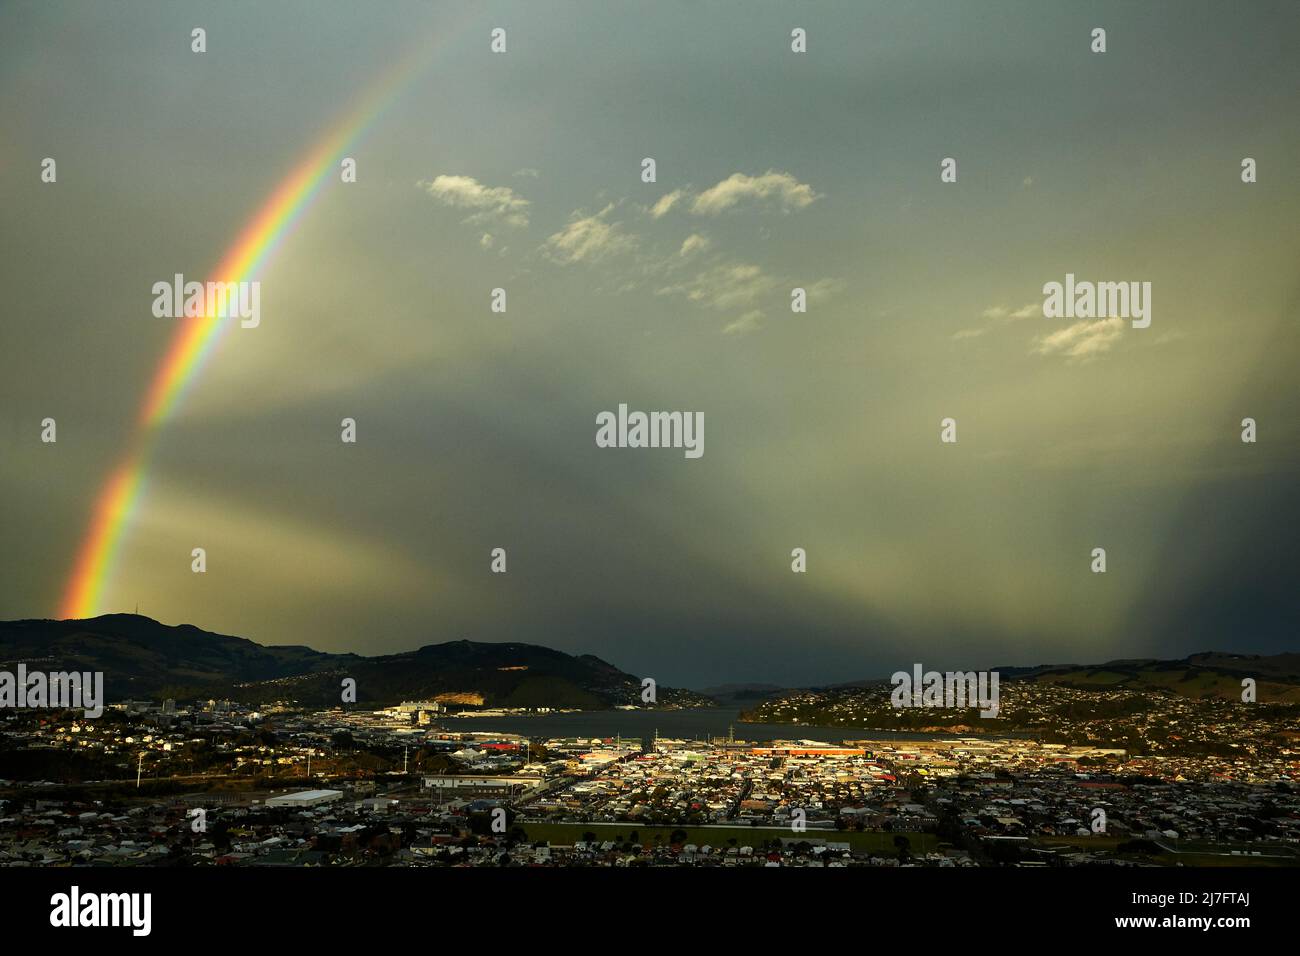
(698, 724)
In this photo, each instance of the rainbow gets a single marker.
(197, 338)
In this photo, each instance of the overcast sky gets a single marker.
(822, 430)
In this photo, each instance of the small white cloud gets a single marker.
(824, 289)
(588, 239)
(489, 203)
(694, 243)
(725, 287)
(486, 241)
(527, 173)
(1000, 315)
(666, 203)
(778, 187)
(1083, 340)
(747, 323)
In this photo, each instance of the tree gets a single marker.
(904, 847)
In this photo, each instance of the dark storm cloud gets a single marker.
(476, 430)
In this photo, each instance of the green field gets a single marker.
(871, 840)
(1078, 842)
(1190, 853)
(1187, 682)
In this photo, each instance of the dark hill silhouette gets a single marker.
(143, 658)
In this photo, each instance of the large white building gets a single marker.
(415, 706)
(479, 785)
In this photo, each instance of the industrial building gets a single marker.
(305, 798)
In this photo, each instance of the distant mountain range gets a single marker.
(141, 658)
(1209, 674)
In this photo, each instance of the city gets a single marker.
(220, 784)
